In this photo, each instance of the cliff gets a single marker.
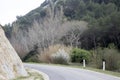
(10, 64)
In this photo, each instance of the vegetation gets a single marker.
(78, 55)
(102, 16)
(89, 25)
(58, 54)
(32, 75)
(61, 57)
(110, 55)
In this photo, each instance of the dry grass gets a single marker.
(45, 56)
(32, 75)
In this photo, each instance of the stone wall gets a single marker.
(10, 64)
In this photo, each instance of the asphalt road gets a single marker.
(66, 73)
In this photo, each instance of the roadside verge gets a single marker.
(33, 74)
(45, 76)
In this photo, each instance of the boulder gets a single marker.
(10, 64)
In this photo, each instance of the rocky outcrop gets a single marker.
(10, 64)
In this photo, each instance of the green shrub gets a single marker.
(77, 55)
(111, 57)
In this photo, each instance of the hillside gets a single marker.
(86, 24)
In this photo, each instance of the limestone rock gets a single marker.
(10, 64)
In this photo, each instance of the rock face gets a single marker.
(10, 64)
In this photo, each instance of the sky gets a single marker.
(9, 9)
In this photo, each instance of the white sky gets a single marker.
(9, 9)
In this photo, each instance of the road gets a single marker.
(67, 73)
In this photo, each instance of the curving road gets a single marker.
(66, 73)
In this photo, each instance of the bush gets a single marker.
(77, 55)
(61, 57)
(110, 55)
(55, 54)
(32, 59)
(112, 58)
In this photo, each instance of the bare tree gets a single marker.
(45, 32)
(76, 29)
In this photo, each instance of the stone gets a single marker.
(11, 65)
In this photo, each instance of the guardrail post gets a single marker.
(84, 64)
(103, 65)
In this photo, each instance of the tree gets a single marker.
(73, 36)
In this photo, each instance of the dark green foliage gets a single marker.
(31, 56)
(23, 22)
(97, 13)
(78, 9)
(59, 60)
(8, 29)
(77, 55)
(103, 32)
